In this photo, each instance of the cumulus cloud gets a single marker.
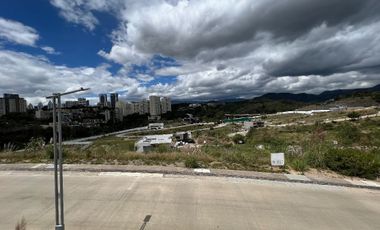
(34, 77)
(17, 32)
(81, 12)
(50, 50)
(243, 48)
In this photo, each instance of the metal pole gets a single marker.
(58, 158)
(60, 161)
(55, 162)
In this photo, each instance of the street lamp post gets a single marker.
(58, 158)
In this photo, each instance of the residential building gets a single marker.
(107, 115)
(50, 105)
(120, 110)
(40, 106)
(22, 104)
(122, 106)
(136, 107)
(83, 102)
(12, 103)
(144, 107)
(114, 99)
(154, 106)
(2, 107)
(42, 114)
(102, 100)
(166, 105)
(31, 107)
(129, 108)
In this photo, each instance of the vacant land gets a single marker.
(351, 148)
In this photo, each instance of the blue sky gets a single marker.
(77, 46)
(188, 50)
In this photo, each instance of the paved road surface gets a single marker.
(123, 200)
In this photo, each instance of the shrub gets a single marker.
(348, 134)
(238, 139)
(352, 162)
(315, 158)
(299, 165)
(35, 144)
(9, 147)
(50, 152)
(162, 148)
(191, 162)
(353, 115)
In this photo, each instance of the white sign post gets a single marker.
(277, 159)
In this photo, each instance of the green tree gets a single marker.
(353, 116)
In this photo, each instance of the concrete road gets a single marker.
(124, 200)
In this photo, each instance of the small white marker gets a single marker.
(202, 170)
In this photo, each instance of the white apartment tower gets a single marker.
(154, 106)
(166, 105)
(12, 103)
(144, 106)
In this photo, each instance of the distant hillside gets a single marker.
(277, 102)
(327, 95)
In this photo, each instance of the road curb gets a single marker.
(192, 173)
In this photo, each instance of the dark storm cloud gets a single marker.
(227, 48)
(241, 22)
(290, 19)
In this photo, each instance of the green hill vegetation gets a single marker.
(351, 148)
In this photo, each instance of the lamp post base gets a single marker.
(59, 227)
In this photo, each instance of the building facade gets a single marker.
(2, 107)
(81, 102)
(154, 106)
(114, 99)
(166, 105)
(103, 100)
(12, 103)
(144, 106)
(129, 108)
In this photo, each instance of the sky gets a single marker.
(187, 49)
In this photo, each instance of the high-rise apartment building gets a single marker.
(12, 103)
(22, 103)
(31, 107)
(50, 105)
(40, 106)
(120, 110)
(103, 100)
(136, 107)
(144, 106)
(83, 102)
(154, 106)
(2, 107)
(114, 99)
(166, 105)
(129, 108)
